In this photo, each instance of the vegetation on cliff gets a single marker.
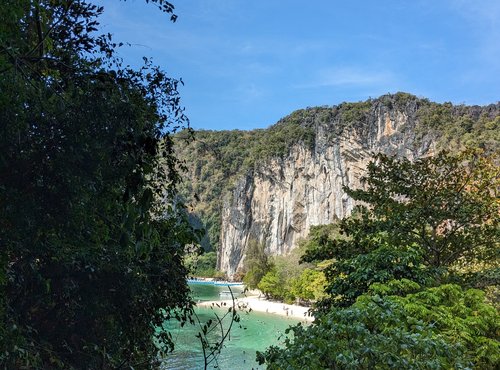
(459, 127)
(218, 160)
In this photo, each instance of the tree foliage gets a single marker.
(256, 264)
(437, 328)
(92, 239)
(202, 265)
(446, 204)
(272, 285)
(277, 282)
(460, 127)
(289, 280)
(309, 286)
(417, 220)
(420, 225)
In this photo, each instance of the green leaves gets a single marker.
(419, 220)
(309, 286)
(256, 264)
(92, 233)
(203, 265)
(460, 127)
(352, 277)
(446, 204)
(367, 335)
(444, 327)
(421, 224)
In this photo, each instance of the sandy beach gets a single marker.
(261, 304)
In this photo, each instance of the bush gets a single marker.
(443, 327)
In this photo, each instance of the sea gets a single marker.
(255, 332)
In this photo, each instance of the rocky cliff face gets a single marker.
(277, 202)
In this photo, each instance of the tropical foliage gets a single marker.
(91, 236)
(438, 328)
(290, 281)
(394, 270)
(256, 264)
(459, 127)
(203, 265)
(418, 220)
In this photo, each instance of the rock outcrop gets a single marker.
(277, 202)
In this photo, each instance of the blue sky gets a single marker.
(246, 64)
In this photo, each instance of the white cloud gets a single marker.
(348, 76)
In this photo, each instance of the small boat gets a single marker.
(226, 293)
(227, 283)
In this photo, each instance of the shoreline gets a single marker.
(263, 305)
(196, 280)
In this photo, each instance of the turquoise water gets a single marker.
(255, 332)
(210, 292)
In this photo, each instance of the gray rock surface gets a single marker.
(278, 201)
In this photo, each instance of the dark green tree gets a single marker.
(422, 220)
(420, 224)
(91, 236)
(438, 328)
(256, 264)
(203, 264)
(447, 204)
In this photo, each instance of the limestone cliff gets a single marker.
(271, 185)
(278, 201)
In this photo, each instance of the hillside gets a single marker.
(271, 185)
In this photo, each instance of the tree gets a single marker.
(256, 264)
(438, 328)
(201, 265)
(271, 285)
(416, 220)
(447, 204)
(278, 282)
(92, 236)
(309, 286)
(390, 305)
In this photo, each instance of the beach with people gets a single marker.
(256, 302)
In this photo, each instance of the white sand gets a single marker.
(263, 305)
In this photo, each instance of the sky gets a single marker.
(247, 63)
